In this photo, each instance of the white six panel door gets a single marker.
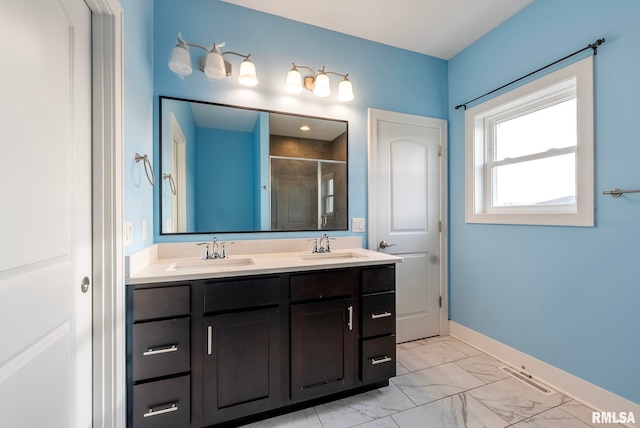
(408, 216)
(45, 220)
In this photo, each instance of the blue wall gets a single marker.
(379, 75)
(568, 296)
(138, 118)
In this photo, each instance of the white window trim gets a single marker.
(579, 214)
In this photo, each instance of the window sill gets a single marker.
(559, 219)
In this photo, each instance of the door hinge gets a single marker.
(439, 150)
(440, 226)
(440, 301)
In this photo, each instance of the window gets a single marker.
(530, 152)
(327, 194)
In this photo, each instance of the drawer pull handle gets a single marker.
(151, 351)
(151, 412)
(381, 360)
(350, 323)
(382, 315)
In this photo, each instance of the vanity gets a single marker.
(270, 329)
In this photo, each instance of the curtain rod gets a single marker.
(593, 46)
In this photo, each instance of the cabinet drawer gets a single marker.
(241, 293)
(160, 348)
(162, 404)
(321, 285)
(379, 279)
(378, 359)
(162, 302)
(378, 314)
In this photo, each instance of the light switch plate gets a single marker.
(357, 224)
(128, 232)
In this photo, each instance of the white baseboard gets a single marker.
(580, 390)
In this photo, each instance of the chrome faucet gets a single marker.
(327, 247)
(214, 254)
(214, 248)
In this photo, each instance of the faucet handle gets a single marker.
(315, 246)
(223, 250)
(207, 253)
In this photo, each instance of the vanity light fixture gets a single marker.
(318, 83)
(212, 63)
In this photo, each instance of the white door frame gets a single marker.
(109, 403)
(376, 115)
(179, 172)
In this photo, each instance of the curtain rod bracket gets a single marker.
(595, 45)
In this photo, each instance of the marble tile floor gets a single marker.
(442, 382)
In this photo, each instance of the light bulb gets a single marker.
(247, 75)
(322, 88)
(345, 91)
(294, 82)
(180, 60)
(214, 64)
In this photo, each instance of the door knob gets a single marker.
(383, 245)
(84, 286)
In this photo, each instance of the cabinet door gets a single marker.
(323, 344)
(241, 364)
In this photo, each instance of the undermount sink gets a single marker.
(331, 256)
(209, 264)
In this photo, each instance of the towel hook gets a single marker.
(148, 169)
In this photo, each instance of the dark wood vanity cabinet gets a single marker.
(242, 349)
(378, 341)
(159, 356)
(215, 352)
(323, 333)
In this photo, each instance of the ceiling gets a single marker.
(440, 28)
(244, 120)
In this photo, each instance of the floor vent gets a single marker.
(523, 377)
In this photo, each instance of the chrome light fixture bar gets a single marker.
(318, 83)
(212, 63)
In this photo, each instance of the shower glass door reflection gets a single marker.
(306, 194)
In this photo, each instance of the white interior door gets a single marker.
(405, 213)
(45, 221)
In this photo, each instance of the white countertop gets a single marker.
(191, 268)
